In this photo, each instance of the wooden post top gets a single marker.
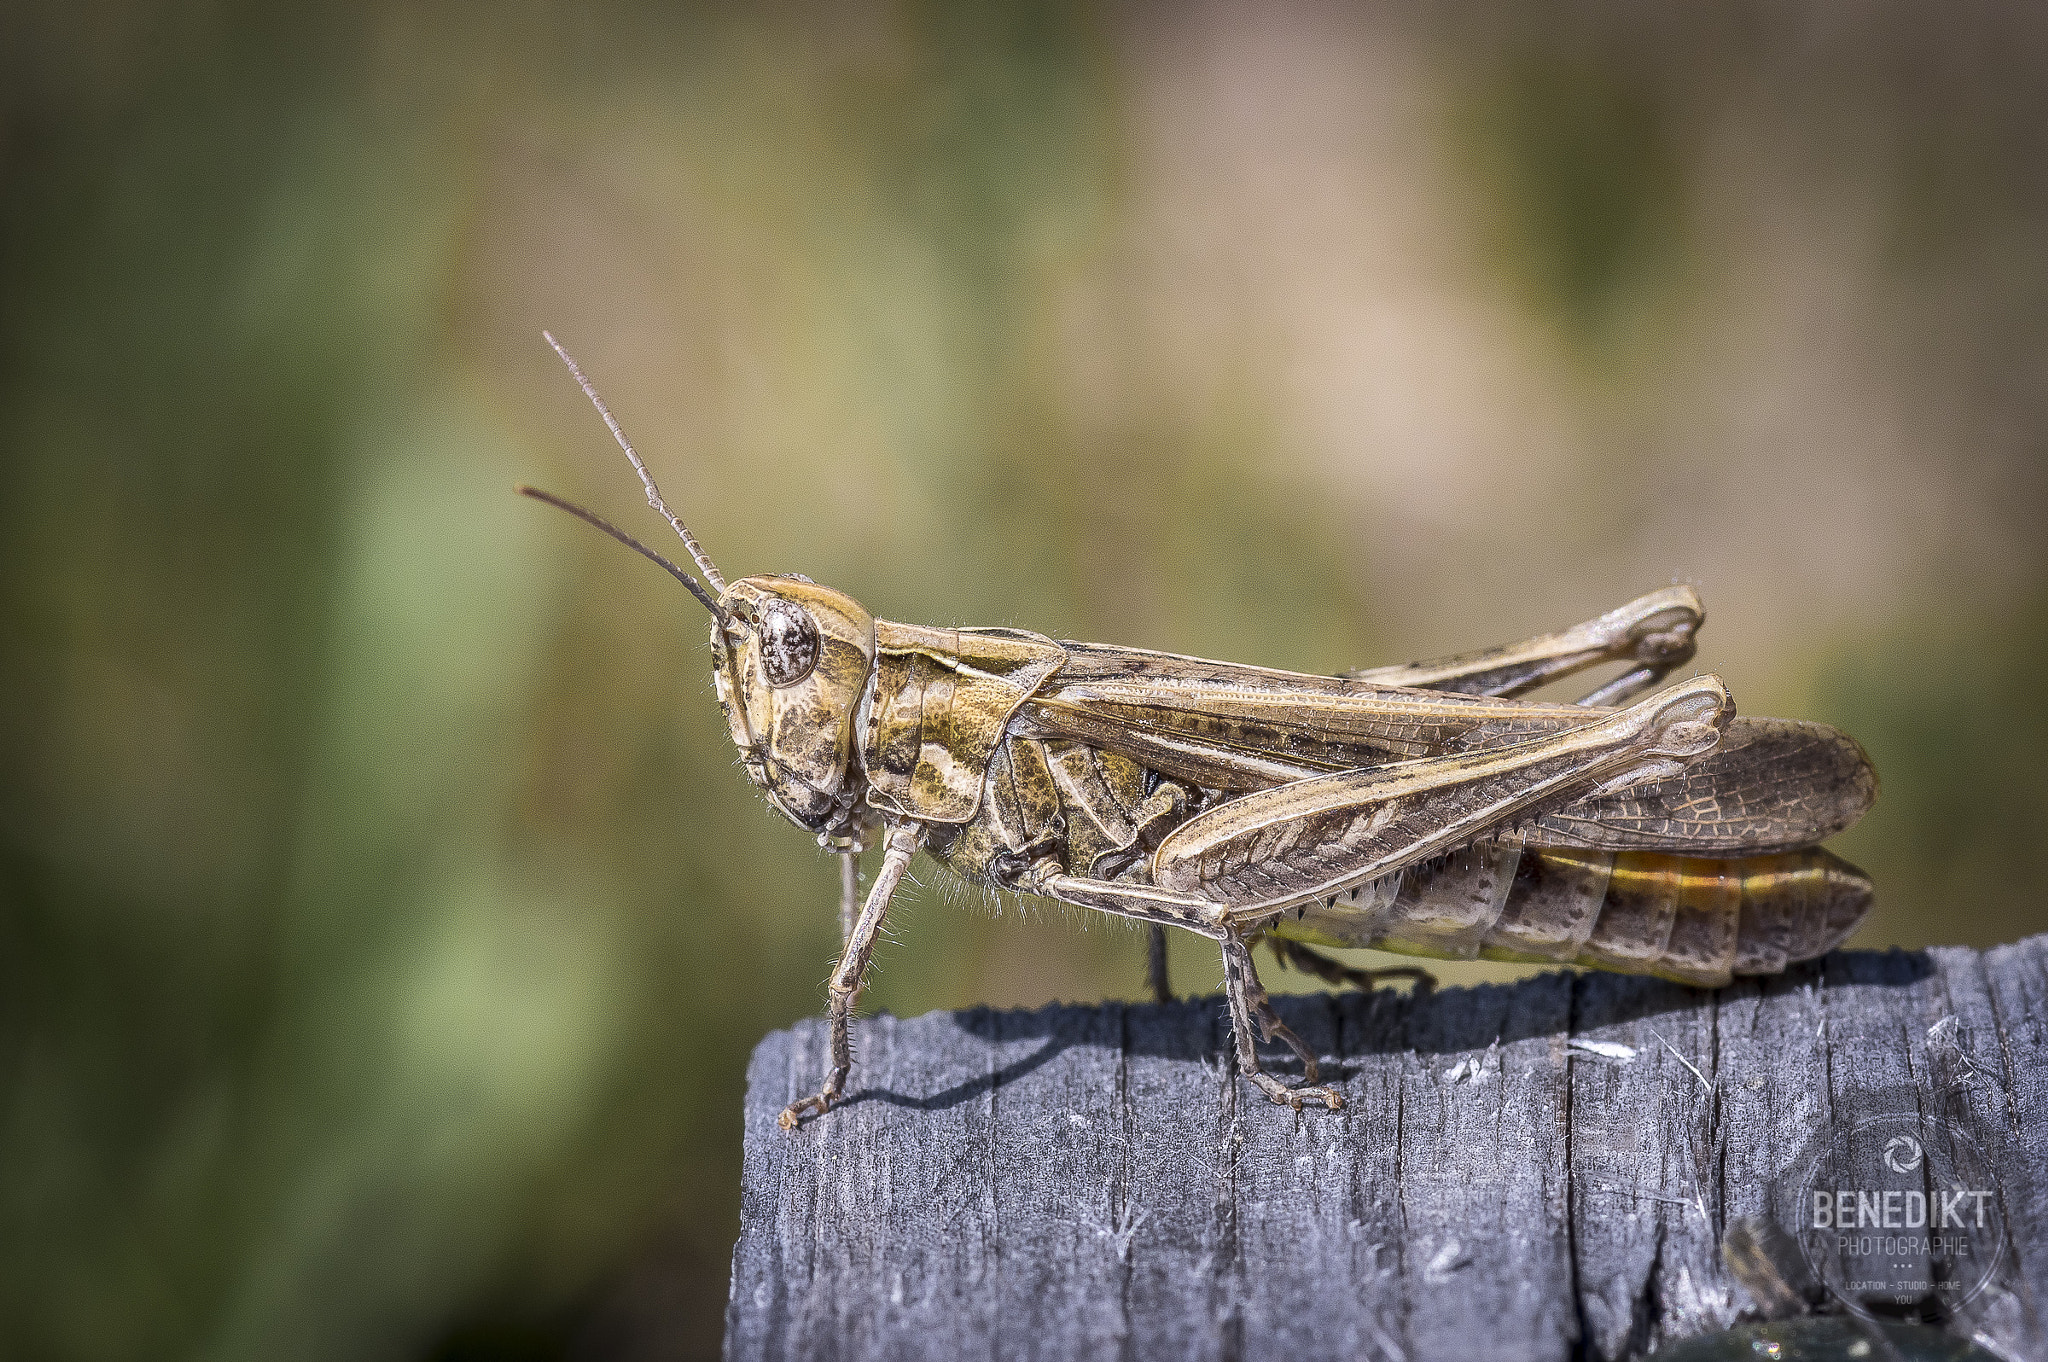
(1541, 1170)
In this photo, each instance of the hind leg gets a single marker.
(1655, 633)
(1309, 961)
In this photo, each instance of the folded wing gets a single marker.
(1771, 785)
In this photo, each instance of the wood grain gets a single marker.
(1091, 1181)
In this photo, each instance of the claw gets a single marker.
(1296, 1098)
(1270, 1026)
(792, 1115)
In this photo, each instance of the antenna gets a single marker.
(697, 555)
(591, 518)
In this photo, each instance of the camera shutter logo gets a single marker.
(1902, 1153)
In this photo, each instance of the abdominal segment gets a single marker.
(1695, 920)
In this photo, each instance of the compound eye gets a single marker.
(789, 643)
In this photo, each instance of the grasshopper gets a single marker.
(1426, 809)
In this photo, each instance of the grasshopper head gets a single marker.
(792, 660)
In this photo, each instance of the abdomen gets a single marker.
(1695, 920)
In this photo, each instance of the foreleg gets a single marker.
(849, 894)
(898, 847)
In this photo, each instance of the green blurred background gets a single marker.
(383, 923)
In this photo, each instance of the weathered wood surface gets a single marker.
(1091, 1181)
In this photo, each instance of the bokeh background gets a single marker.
(383, 923)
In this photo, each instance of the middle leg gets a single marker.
(1249, 1006)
